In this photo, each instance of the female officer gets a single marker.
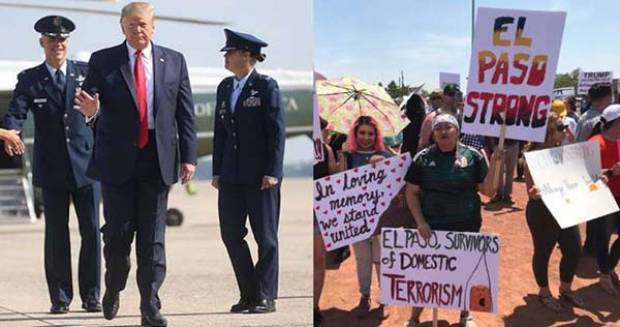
(248, 154)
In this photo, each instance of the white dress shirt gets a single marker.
(147, 63)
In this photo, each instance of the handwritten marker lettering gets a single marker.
(350, 209)
(453, 270)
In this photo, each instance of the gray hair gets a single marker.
(136, 7)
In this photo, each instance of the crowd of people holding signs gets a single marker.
(415, 214)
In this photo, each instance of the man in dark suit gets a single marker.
(62, 148)
(248, 151)
(139, 96)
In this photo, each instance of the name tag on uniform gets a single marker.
(40, 100)
(251, 102)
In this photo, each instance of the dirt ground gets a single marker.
(518, 302)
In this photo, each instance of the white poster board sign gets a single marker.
(587, 79)
(452, 270)
(348, 205)
(449, 78)
(568, 180)
(512, 71)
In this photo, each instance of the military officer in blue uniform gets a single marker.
(62, 149)
(248, 152)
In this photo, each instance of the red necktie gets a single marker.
(140, 83)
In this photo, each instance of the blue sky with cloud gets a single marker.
(375, 40)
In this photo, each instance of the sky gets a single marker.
(285, 25)
(375, 40)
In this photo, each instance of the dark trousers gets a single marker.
(58, 247)
(589, 244)
(138, 207)
(606, 258)
(546, 233)
(236, 203)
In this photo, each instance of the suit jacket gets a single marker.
(249, 143)
(63, 142)
(117, 123)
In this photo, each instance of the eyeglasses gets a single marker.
(561, 127)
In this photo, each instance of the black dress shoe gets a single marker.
(60, 308)
(111, 303)
(91, 306)
(154, 320)
(263, 306)
(241, 306)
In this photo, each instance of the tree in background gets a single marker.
(567, 79)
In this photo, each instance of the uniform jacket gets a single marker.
(63, 142)
(249, 143)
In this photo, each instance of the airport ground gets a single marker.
(200, 284)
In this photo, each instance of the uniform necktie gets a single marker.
(60, 80)
(235, 96)
(140, 83)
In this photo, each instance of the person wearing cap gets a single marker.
(62, 148)
(451, 95)
(138, 98)
(248, 152)
(599, 95)
(442, 187)
(606, 257)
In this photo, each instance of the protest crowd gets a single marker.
(442, 198)
(404, 192)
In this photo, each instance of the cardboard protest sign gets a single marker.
(587, 79)
(452, 270)
(317, 138)
(568, 180)
(449, 78)
(348, 205)
(512, 71)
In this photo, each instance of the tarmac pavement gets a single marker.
(200, 285)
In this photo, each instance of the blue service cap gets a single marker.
(54, 26)
(242, 41)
